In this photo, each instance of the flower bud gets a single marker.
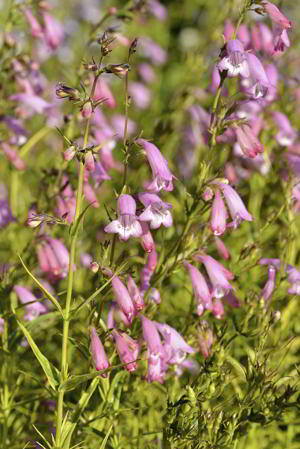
(63, 91)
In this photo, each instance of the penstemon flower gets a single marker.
(218, 215)
(157, 212)
(162, 176)
(123, 298)
(235, 205)
(235, 59)
(218, 275)
(200, 287)
(128, 349)
(127, 224)
(99, 356)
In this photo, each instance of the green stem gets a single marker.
(40, 134)
(64, 356)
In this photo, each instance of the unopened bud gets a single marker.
(207, 194)
(117, 69)
(87, 109)
(94, 267)
(112, 11)
(69, 153)
(63, 91)
(89, 161)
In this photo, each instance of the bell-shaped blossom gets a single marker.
(158, 10)
(286, 135)
(218, 215)
(53, 258)
(258, 83)
(32, 310)
(123, 298)
(135, 294)
(174, 345)
(147, 241)
(36, 29)
(270, 285)
(205, 338)
(153, 51)
(127, 224)
(281, 38)
(248, 142)
(162, 176)
(140, 94)
(235, 205)
(157, 212)
(221, 248)
(218, 275)
(99, 356)
(148, 270)
(276, 15)
(200, 288)
(235, 59)
(54, 32)
(127, 348)
(156, 369)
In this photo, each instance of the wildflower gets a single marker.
(157, 212)
(98, 353)
(221, 248)
(218, 275)
(235, 205)
(248, 142)
(235, 59)
(32, 310)
(117, 69)
(89, 161)
(286, 135)
(36, 29)
(281, 38)
(135, 294)
(258, 82)
(127, 224)
(174, 345)
(123, 298)
(147, 241)
(54, 33)
(87, 109)
(128, 349)
(200, 287)
(155, 350)
(162, 177)
(69, 153)
(270, 285)
(218, 215)
(275, 15)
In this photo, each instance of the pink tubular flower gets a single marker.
(218, 275)
(135, 294)
(123, 298)
(235, 205)
(275, 15)
(147, 241)
(98, 353)
(127, 224)
(90, 195)
(157, 212)
(36, 29)
(128, 349)
(174, 345)
(201, 290)
(31, 310)
(259, 82)
(218, 215)
(286, 135)
(281, 38)
(248, 142)
(235, 59)
(54, 33)
(221, 248)
(162, 177)
(270, 285)
(155, 350)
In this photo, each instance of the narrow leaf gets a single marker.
(106, 438)
(44, 362)
(44, 290)
(74, 229)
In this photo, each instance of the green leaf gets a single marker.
(74, 228)
(74, 381)
(106, 438)
(44, 290)
(43, 361)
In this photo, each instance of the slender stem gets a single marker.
(64, 356)
(5, 376)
